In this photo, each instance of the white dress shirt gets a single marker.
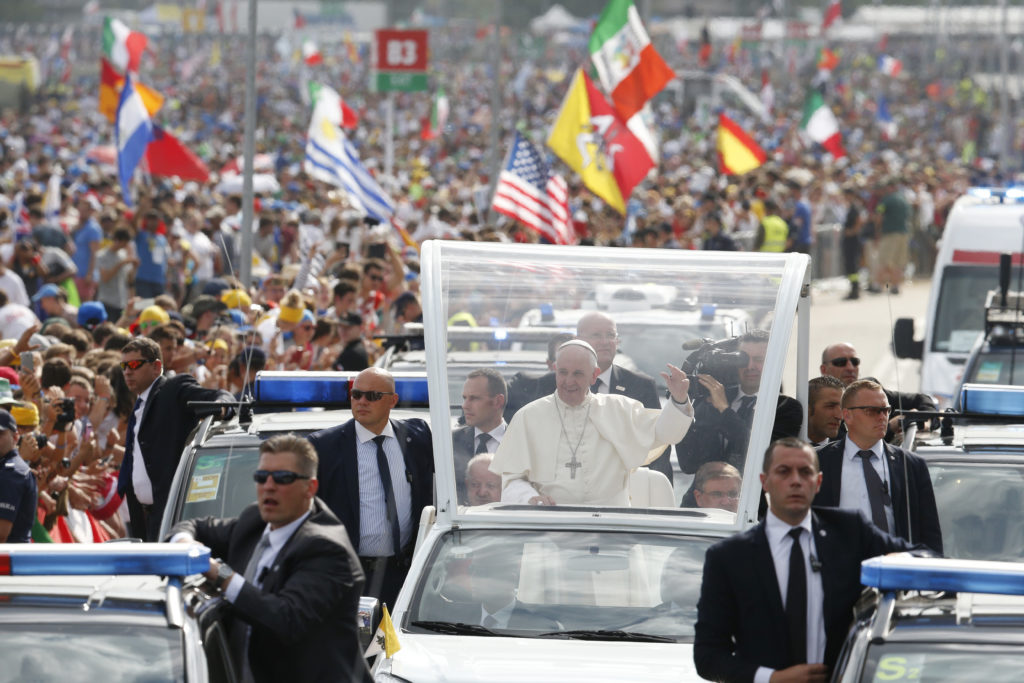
(374, 527)
(141, 482)
(496, 434)
(781, 544)
(853, 490)
(738, 401)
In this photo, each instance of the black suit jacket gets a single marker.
(339, 469)
(463, 446)
(304, 618)
(723, 436)
(923, 526)
(166, 424)
(741, 621)
(523, 389)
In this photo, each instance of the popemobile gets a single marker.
(593, 575)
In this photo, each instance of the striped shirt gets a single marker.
(374, 528)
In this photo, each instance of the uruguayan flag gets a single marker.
(133, 131)
(330, 157)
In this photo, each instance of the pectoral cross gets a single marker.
(573, 465)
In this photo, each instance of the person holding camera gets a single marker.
(18, 494)
(723, 413)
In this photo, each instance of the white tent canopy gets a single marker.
(556, 19)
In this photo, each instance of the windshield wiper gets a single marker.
(456, 628)
(608, 635)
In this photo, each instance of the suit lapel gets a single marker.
(351, 466)
(157, 384)
(615, 382)
(894, 461)
(825, 547)
(832, 483)
(768, 578)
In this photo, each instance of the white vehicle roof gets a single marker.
(499, 283)
(977, 225)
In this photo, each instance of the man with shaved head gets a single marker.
(376, 474)
(575, 446)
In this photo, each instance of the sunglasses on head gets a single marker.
(369, 395)
(841, 362)
(873, 411)
(280, 477)
(134, 364)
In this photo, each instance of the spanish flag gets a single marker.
(738, 153)
(593, 141)
(111, 83)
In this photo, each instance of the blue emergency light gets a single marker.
(327, 388)
(907, 572)
(992, 399)
(1005, 195)
(161, 559)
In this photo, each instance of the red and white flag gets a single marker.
(311, 53)
(832, 13)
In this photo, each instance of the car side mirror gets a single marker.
(904, 344)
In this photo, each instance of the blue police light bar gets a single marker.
(161, 559)
(327, 388)
(992, 399)
(1005, 195)
(906, 572)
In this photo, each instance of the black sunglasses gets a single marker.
(281, 477)
(841, 362)
(369, 395)
(874, 411)
(135, 364)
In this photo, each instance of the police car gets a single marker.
(932, 619)
(573, 592)
(117, 611)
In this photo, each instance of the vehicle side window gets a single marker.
(218, 658)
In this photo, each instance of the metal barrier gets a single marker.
(826, 254)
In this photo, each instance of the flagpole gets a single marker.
(495, 137)
(245, 249)
(389, 137)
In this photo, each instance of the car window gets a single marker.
(960, 313)
(981, 509)
(90, 652)
(941, 663)
(220, 483)
(999, 367)
(556, 582)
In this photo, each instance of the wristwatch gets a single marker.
(224, 574)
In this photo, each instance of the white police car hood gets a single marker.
(458, 659)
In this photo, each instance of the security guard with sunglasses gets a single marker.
(376, 474)
(888, 484)
(289, 572)
(160, 422)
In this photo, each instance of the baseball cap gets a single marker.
(46, 290)
(25, 415)
(7, 421)
(153, 314)
(205, 303)
(236, 298)
(10, 374)
(91, 314)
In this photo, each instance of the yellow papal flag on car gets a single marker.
(385, 639)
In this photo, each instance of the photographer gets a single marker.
(724, 404)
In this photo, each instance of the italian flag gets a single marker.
(821, 126)
(627, 65)
(342, 115)
(738, 153)
(432, 126)
(122, 46)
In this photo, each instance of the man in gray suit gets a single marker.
(483, 402)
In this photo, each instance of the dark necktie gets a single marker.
(124, 477)
(490, 622)
(746, 409)
(796, 601)
(596, 386)
(389, 494)
(254, 560)
(481, 443)
(876, 491)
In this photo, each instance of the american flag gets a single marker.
(529, 193)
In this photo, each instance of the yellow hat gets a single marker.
(236, 298)
(26, 415)
(7, 344)
(153, 314)
(217, 344)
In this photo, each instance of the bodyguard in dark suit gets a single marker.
(779, 597)
(161, 422)
(290, 573)
(892, 486)
(380, 506)
(483, 400)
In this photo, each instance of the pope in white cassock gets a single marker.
(578, 447)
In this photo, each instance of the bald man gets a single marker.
(578, 447)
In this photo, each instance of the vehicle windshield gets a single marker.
(960, 312)
(941, 663)
(559, 582)
(97, 651)
(220, 483)
(981, 509)
(639, 310)
(998, 366)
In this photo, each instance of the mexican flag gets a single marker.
(592, 140)
(627, 65)
(821, 125)
(122, 47)
(432, 126)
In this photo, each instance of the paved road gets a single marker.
(867, 324)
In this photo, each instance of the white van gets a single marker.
(982, 224)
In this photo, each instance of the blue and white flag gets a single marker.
(133, 132)
(884, 119)
(330, 157)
